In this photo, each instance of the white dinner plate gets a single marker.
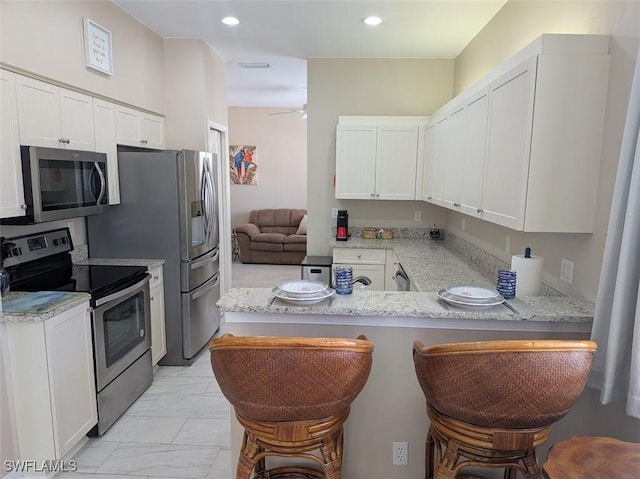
(447, 297)
(472, 293)
(302, 288)
(321, 296)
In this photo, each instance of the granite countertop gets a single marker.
(149, 263)
(24, 307)
(430, 267)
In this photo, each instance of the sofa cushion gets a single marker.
(295, 239)
(259, 246)
(277, 238)
(302, 227)
(295, 247)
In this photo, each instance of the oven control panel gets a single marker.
(22, 249)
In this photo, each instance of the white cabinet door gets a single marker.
(429, 157)
(11, 188)
(396, 162)
(439, 162)
(39, 113)
(509, 141)
(451, 149)
(472, 169)
(355, 162)
(70, 364)
(136, 128)
(76, 120)
(104, 114)
(158, 329)
(152, 131)
(54, 117)
(53, 382)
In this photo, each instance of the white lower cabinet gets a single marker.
(53, 384)
(365, 262)
(158, 329)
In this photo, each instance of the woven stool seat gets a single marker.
(586, 457)
(292, 397)
(491, 403)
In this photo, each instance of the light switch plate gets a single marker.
(566, 270)
(334, 213)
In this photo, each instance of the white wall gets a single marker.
(46, 38)
(281, 156)
(365, 87)
(196, 84)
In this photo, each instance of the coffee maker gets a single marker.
(342, 230)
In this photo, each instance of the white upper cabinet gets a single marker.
(522, 147)
(54, 117)
(104, 114)
(11, 188)
(136, 128)
(377, 161)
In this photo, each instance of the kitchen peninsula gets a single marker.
(391, 406)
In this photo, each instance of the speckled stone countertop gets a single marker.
(149, 263)
(36, 315)
(430, 267)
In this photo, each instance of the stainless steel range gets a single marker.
(120, 313)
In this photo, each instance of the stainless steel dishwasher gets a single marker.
(401, 278)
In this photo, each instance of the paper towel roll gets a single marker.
(528, 274)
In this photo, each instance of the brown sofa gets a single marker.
(271, 236)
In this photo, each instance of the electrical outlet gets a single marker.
(507, 244)
(334, 213)
(417, 216)
(566, 270)
(400, 453)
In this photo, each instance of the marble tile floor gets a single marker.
(178, 428)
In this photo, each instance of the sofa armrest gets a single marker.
(249, 229)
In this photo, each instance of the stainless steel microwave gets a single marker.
(61, 184)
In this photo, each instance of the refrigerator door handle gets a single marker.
(212, 204)
(203, 291)
(203, 202)
(209, 258)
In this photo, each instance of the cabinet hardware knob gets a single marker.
(64, 140)
(373, 195)
(429, 197)
(155, 276)
(144, 142)
(479, 210)
(151, 298)
(24, 207)
(457, 205)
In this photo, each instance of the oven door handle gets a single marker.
(123, 293)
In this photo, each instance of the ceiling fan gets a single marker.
(303, 112)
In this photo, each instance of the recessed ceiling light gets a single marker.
(230, 21)
(373, 21)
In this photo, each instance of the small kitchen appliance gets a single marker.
(317, 268)
(342, 230)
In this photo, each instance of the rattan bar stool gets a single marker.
(491, 403)
(292, 396)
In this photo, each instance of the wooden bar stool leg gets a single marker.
(331, 456)
(428, 456)
(246, 461)
(445, 467)
(532, 469)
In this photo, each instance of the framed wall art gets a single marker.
(97, 47)
(242, 162)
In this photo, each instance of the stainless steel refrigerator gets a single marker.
(169, 209)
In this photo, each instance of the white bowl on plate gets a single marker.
(303, 288)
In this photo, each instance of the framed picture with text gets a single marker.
(97, 47)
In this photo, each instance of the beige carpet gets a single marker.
(262, 275)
